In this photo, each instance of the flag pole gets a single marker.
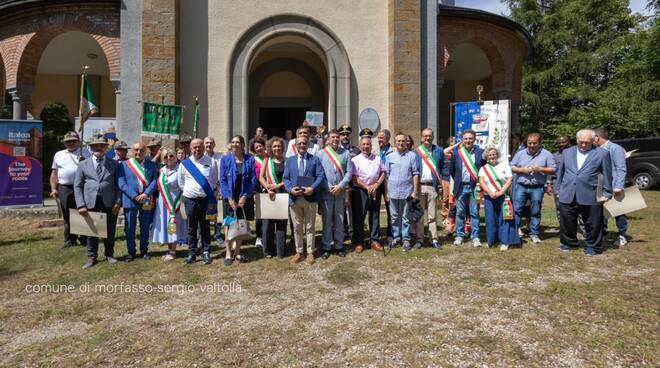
(196, 117)
(80, 108)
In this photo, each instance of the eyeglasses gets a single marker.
(170, 156)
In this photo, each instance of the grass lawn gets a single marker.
(531, 307)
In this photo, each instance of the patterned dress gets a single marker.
(161, 217)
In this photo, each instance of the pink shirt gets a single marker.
(367, 169)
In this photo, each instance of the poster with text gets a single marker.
(21, 169)
(491, 120)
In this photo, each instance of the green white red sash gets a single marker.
(336, 160)
(138, 171)
(295, 149)
(271, 177)
(260, 160)
(498, 184)
(171, 204)
(466, 157)
(428, 160)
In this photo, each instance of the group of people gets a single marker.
(175, 195)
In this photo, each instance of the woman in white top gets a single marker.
(495, 178)
(168, 228)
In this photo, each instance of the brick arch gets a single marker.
(3, 80)
(497, 67)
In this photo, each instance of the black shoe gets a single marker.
(68, 245)
(145, 257)
(341, 253)
(325, 255)
(228, 261)
(130, 258)
(207, 258)
(190, 259)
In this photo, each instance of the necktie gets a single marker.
(99, 167)
(301, 166)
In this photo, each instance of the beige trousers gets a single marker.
(303, 216)
(428, 201)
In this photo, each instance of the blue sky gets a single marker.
(495, 6)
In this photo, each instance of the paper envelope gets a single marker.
(267, 208)
(94, 224)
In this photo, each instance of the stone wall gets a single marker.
(159, 47)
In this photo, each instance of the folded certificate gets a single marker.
(305, 181)
(94, 224)
(277, 209)
(631, 201)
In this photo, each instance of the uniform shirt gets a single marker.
(367, 168)
(66, 164)
(542, 158)
(208, 168)
(400, 169)
(503, 171)
(312, 148)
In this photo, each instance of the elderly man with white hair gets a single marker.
(577, 181)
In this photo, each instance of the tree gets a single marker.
(591, 64)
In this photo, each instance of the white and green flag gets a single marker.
(88, 105)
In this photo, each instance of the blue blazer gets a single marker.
(129, 183)
(580, 185)
(229, 173)
(455, 168)
(313, 169)
(438, 155)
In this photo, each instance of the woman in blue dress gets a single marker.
(169, 227)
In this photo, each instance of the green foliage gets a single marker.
(592, 64)
(6, 108)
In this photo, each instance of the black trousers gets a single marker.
(196, 210)
(273, 237)
(68, 203)
(592, 216)
(362, 205)
(109, 242)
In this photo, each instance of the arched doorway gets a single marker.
(260, 56)
(287, 79)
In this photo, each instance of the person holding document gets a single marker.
(273, 232)
(95, 189)
(335, 161)
(303, 175)
(197, 177)
(137, 180)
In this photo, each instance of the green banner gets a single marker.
(160, 119)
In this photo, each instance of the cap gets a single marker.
(185, 139)
(366, 132)
(155, 142)
(71, 136)
(98, 140)
(345, 128)
(121, 145)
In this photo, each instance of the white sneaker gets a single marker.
(504, 247)
(458, 241)
(476, 242)
(621, 241)
(535, 239)
(257, 243)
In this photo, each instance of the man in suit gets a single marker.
(577, 182)
(429, 159)
(466, 160)
(137, 181)
(619, 169)
(303, 200)
(95, 189)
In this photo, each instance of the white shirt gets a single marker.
(312, 150)
(66, 164)
(208, 168)
(581, 158)
(503, 171)
(427, 175)
(96, 162)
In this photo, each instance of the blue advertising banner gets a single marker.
(21, 170)
(490, 120)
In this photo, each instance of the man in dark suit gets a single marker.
(95, 189)
(577, 184)
(137, 181)
(303, 199)
(466, 160)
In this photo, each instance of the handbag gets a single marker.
(239, 229)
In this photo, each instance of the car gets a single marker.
(644, 161)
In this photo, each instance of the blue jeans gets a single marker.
(621, 225)
(464, 199)
(399, 209)
(131, 218)
(535, 196)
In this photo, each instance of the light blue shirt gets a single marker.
(581, 158)
(542, 158)
(619, 169)
(332, 176)
(401, 168)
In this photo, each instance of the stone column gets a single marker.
(429, 66)
(129, 108)
(405, 30)
(116, 85)
(20, 97)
